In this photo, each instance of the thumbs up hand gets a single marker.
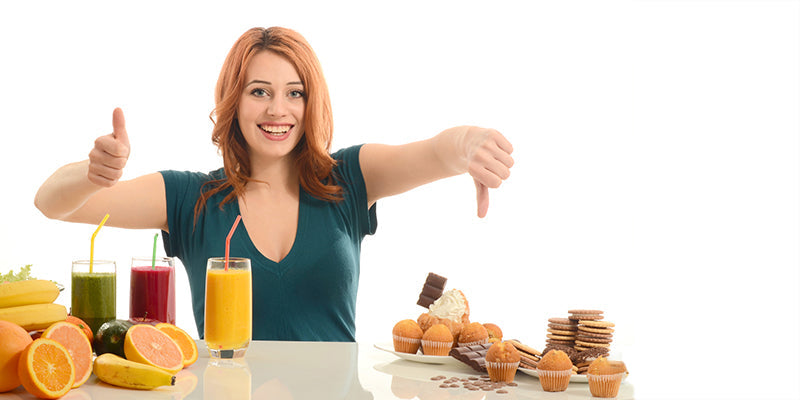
(110, 154)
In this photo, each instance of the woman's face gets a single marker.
(271, 107)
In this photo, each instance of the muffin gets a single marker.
(407, 336)
(426, 320)
(495, 334)
(437, 341)
(473, 333)
(554, 370)
(605, 377)
(502, 361)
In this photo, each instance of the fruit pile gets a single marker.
(49, 352)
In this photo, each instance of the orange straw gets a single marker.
(228, 240)
(91, 251)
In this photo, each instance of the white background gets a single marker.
(656, 147)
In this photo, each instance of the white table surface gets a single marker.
(314, 370)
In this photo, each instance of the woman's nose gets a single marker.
(276, 106)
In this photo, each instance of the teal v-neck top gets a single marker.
(310, 295)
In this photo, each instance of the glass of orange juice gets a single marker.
(229, 307)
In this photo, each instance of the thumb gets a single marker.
(483, 199)
(118, 121)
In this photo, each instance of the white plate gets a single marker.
(574, 378)
(418, 357)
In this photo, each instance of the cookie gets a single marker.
(585, 311)
(561, 321)
(604, 331)
(570, 328)
(594, 334)
(560, 337)
(590, 344)
(595, 323)
(585, 317)
(525, 348)
(562, 333)
(593, 339)
(560, 342)
(566, 349)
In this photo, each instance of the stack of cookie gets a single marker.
(561, 331)
(594, 334)
(528, 356)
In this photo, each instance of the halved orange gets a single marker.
(74, 340)
(187, 344)
(83, 325)
(148, 345)
(46, 369)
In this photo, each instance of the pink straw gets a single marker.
(228, 240)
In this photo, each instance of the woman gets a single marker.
(304, 211)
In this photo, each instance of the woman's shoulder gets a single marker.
(191, 178)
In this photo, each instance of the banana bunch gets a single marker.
(29, 304)
(115, 370)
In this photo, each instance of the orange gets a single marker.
(13, 339)
(46, 369)
(74, 340)
(83, 325)
(187, 344)
(148, 345)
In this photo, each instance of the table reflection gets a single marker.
(285, 373)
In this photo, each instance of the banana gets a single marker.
(115, 370)
(34, 316)
(33, 291)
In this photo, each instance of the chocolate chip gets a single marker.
(438, 378)
(444, 385)
(512, 384)
(502, 391)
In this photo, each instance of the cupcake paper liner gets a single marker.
(406, 345)
(605, 385)
(432, 348)
(482, 341)
(502, 371)
(554, 381)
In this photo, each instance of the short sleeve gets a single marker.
(348, 174)
(182, 190)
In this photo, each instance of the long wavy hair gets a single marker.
(312, 153)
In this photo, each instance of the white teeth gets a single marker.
(275, 130)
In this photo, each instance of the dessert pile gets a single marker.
(577, 344)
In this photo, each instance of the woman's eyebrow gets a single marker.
(270, 83)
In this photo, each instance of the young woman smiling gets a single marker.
(304, 209)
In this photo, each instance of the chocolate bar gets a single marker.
(474, 356)
(431, 290)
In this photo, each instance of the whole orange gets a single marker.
(13, 339)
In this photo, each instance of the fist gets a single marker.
(110, 154)
(489, 162)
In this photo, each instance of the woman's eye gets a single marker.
(259, 92)
(296, 94)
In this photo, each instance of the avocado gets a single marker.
(110, 337)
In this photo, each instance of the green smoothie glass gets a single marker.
(94, 291)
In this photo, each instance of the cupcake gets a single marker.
(605, 377)
(495, 334)
(437, 341)
(473, 333)
(554, 371)
(426, 320)
(407, 335)
(502, 361)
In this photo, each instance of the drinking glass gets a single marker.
(228, 324)
(153, 289)
(94, 294)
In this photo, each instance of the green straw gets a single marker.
(155, 243)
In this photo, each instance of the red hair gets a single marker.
(312, 153)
